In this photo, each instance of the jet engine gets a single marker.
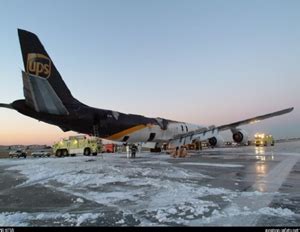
(240, 136)
(216, 141)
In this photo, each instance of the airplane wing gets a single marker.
(255, 119)
(206, 133)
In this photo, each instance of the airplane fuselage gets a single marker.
(111, 125)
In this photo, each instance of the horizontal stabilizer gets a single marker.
(9, 106)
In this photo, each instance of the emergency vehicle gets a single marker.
(263, 140)
(79, 144)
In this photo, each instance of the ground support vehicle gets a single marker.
(75, 145)
(263, 140)
(40, 154)
(17, 154)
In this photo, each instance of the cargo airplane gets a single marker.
(48, 99)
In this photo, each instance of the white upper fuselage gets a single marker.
(159, 135)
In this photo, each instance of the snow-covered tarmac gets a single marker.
(229, 186)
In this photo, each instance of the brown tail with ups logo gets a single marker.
(42, 74)
(38, 65)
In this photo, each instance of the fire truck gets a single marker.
(263, 140)
(75, 145)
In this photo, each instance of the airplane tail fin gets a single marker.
(44, 89)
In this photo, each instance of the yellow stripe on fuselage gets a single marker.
(126, 132)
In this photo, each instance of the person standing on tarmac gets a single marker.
(176, 152)
(128, 151)
(133, 150)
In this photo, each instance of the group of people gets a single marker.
(179, 152)
(131, 151)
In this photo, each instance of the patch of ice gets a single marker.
(121, 221)
(79, 200)
(256, 194)
(172, 211)
(41, 216)
(182, 213)
(276, 211)
(75, 172)
(47, 215)
(14, 219)
(87, 217)
(161, 216)
(235, 211)
(164, 217)
(69, 218)
(23, 219)
(157, 162)
(214, 165)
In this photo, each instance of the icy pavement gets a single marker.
(236, 186)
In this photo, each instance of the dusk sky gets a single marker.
(204, 62)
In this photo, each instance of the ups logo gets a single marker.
(38, 65)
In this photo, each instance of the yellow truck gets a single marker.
(263, 140)
(79, 144)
